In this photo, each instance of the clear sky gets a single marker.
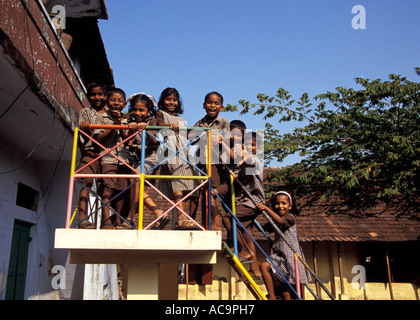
(244, 47)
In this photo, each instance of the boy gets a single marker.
(236, 146)
(116, 102)
(235, 150)
(250, 175)
(213, 105)
(96, 95)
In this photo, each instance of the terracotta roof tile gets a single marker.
(315, 225)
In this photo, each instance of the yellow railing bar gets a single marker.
(71, 182)
(74, 152)
(141, 201)
(244, 271)
(253, 283)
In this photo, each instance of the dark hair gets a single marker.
(95, 85)
(237, 124)
(143, 98)
(117, 90)
(166, 93)
(254, 136)
(213, 92)
(294, 210)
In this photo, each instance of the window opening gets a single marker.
(27, 197)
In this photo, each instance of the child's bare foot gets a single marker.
(185, 223)
(162, 222)
(255, 269)
(244, 255)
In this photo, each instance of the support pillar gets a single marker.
(143, 281)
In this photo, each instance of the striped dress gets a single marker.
(176, 165)
(87, 114)
(111, 140)
(134, 150)
(283, 257)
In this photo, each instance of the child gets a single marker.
(96, 95)
(141, 111)
(213, 105)
(235, 148)
(250, 175)
(170, 108)
(281, 254)
(116, 102)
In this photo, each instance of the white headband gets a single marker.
(148, 95)
(286, 193)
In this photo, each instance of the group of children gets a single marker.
(120, 146)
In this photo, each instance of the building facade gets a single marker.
(44, 70)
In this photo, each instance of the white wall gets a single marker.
(51, 180)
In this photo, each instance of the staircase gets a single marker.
(243, 273)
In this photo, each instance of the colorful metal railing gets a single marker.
(138, 176)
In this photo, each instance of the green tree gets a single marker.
(359, 148)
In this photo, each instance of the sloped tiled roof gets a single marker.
(321, 227)
(315, 224)
(379, 223)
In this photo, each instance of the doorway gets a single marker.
(16, 276)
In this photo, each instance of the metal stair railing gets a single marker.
(239, 264)
(276, 228)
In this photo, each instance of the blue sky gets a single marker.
(244, 47)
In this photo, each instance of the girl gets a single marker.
(170, 108)
(281, 254)
(141, 110)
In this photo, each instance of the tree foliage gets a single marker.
(359, 146)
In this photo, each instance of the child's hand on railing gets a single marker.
(175, 127)
(84, 125)
(261, 207)
(141, 126)
(132, 126)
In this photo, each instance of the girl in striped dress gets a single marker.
(170, 108)
(142, 111)
(281, 255)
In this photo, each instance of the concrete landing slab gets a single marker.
(131, 246)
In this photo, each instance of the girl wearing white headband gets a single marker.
(281, 255)
(286, 193)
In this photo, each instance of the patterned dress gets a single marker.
(134, 150)
(111, 140)
(283, 257)
(87, 114)
(176, 165)
(250, 174)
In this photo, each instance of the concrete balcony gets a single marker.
(142, 250)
